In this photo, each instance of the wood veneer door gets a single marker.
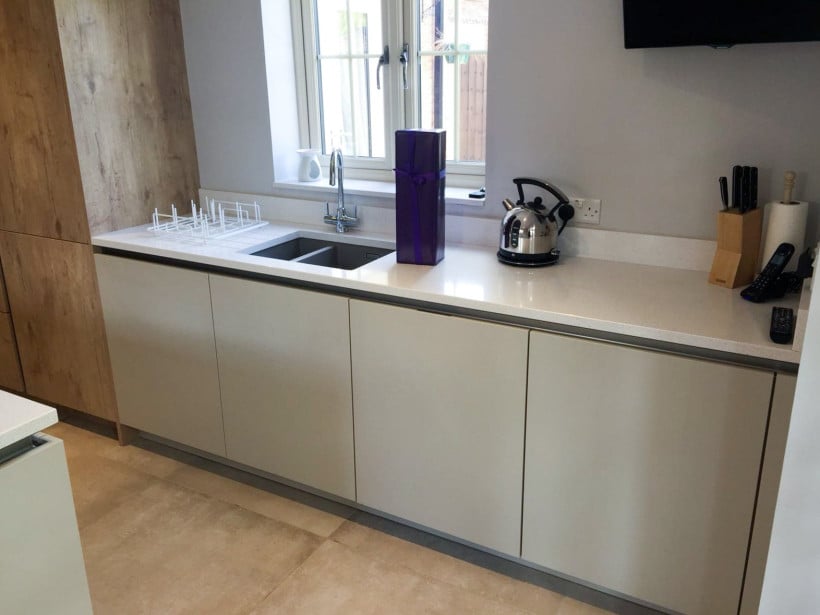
(11, 376)
(41, 191)
(52, 290)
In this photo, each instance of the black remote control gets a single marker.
(782, 327)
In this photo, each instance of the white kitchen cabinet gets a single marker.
(41, 557)
(439, 421)
(284, 369)
(641, 470)
(161, 340)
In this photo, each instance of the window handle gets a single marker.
(384, 59)
(404, 58)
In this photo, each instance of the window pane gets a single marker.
(366, 27)
(460, 109)
(331, 16)
(352, 109)
(453, 75)
(438, 24)
(342, 33)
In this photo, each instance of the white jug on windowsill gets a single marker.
(309, 168)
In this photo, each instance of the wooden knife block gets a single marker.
(738, 246)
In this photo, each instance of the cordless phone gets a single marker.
(764, 287)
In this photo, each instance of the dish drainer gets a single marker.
(220, 219)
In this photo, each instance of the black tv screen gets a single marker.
(719, 23)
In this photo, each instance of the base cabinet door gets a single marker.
(161, 340)
(284, 368)
(641, 470)
(439, 421)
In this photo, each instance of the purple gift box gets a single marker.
(420, 171)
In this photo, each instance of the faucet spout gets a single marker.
(341, 219)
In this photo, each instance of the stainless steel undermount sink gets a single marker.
(316, 250)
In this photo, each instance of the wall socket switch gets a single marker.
(587, 211)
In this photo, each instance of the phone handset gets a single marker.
(765, 285)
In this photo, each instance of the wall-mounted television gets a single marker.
(719, 23)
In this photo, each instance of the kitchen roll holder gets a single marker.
(786, 221)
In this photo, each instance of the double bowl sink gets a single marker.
(323, 250)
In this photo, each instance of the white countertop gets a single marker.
(21, 417)
(672, 306)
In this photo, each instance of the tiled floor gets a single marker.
(163, 536)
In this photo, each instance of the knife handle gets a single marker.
(737, 172)
(746, 190)
(753, 190)
(724, 191)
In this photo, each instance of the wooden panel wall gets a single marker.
(52, 290)
(40, 188)
(128, 87)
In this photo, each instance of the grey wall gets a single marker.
(225, 56)
(647, 131)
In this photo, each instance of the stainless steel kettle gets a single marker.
(529, 231)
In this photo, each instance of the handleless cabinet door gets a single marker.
(11, 376)
(284, 369)
(641, 470)
(161, 339)
(41, 192)
(439, 420)
(55, 306)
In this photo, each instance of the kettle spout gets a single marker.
(508, 204)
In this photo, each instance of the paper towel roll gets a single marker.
(787, 224)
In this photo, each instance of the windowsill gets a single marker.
(369, 192)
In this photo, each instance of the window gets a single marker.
(374, 66)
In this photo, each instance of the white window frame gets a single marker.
(400, 23)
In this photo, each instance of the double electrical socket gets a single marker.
(587, 211)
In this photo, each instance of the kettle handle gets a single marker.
(520, 182)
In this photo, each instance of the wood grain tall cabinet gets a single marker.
(95, 131)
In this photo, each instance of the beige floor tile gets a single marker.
(100, 485)
(573, 607)
(337, 580)
(142, 460)
(79, 441)
(160, 536)
(268, 504)
(170, 550)
(434, 565)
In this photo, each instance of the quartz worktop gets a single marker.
(21, 417)
(602, 298)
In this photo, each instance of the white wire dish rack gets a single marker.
(218, 220)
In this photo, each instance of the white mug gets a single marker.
(309, 168)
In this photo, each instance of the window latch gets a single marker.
(384, 59)
(404, 58)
